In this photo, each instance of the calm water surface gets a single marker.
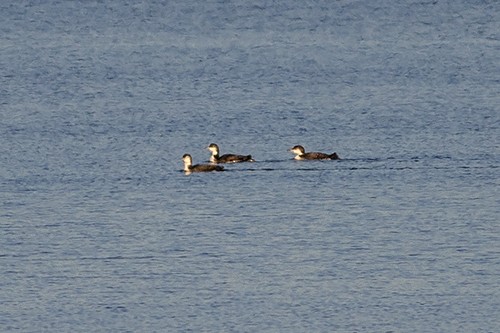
(101, 231)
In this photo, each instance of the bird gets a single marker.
(189, 167)
(300, 154)
(227, 158)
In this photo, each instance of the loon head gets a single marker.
(298, 150)
(214, 149)
(188, 161)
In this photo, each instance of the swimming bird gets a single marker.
(189, 167)
(227, 158)
(300, 154)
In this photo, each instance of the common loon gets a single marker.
(300, 154)
(227, 158)
(189, 167)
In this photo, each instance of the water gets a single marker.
(102, 232)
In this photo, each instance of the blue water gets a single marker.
(101, 231)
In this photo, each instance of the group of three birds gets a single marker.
(216, 158)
